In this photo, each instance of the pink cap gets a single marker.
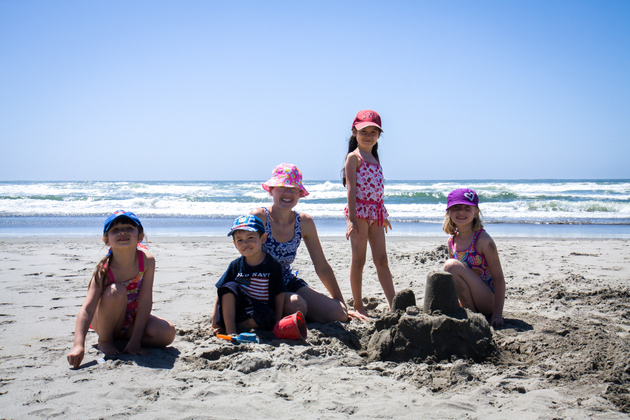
(366, 118)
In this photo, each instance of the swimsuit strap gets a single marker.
(471, 248)
(111, 276)
(475, 238)
(140, 267)
(140, 261)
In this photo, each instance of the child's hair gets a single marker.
(100, 272)
(352, 145)
(450, 228)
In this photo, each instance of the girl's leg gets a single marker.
(321, 307)
(158, 332)
(379, 256)
(358, 242)
(109, 317)
(472, 292)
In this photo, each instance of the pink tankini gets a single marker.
(370, 192)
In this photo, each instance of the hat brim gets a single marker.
(272, 183)
(467, 203)
(361, 126)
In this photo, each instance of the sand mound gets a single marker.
(416, 336)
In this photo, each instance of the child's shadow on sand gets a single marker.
(516, 325)
(157, 358)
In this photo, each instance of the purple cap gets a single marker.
(462, 196)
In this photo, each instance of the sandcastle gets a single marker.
(442, 331)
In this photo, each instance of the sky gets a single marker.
(206, 90)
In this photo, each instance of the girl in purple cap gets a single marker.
(473, 257)
(365, 213)
(119, 297)
(285, 229)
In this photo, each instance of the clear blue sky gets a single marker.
(204, 90)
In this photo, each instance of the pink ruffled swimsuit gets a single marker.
(476, 262)
(370, 192)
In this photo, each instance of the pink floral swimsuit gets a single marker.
(133, 288)
(370, 192)
(469, 257)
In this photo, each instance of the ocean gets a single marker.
(528, 208)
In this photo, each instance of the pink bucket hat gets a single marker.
(286, 175)
(367, 118)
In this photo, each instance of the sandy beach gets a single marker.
(564, 352)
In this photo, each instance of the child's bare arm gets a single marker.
(84, 318)
(279, 306)
(489, 250)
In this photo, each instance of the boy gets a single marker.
(250, 294)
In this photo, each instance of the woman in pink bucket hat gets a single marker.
(285, 230)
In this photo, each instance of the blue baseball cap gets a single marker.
(249, 222)
(120, 213)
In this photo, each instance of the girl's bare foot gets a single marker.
(108, 348)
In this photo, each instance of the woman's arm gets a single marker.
(145, 304)
(322, 268)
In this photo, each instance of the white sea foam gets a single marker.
(583, 202)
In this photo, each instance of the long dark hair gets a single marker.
(352, 145)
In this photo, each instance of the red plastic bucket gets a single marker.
(292, 327)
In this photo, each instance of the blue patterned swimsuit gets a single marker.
(285, 252)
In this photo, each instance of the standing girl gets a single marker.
(473, 257)
(119, 298)
(365, 213)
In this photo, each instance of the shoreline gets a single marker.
(563, 353)
(326, 229)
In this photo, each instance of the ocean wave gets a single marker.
(519, 201)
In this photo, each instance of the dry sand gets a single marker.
(564, 353)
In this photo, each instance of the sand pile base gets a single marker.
(443, 331)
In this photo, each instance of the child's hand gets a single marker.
(134, 349)
(75, 357)
(496, 320)
(387, 225)
(351, 227)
